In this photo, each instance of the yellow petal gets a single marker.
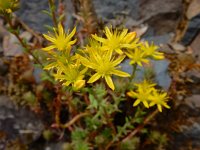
(50, 66)
(72, 33)
(109, 82)
(151, 104)
(130, 94)
(78, 84)
(159, 56)
(87, 63)
(166, 106)
(108, 33)
(136, 102)
(72, 42)
(159, 107)
(120, 73)
(48, 48)
(100, 39)
(118, 61)
(123, 34)
(129, 54)
(119, 51)
(94, 78)
(146, 104)
(83, 71)
(129, 37)
(49, 38)
(139, 63)
(60, 29)
(66, 83)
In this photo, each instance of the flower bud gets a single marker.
(78, 84)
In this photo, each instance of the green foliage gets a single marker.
(123, 130)
(79, 134)
(78, 139)
(130, 144)
(158, 138)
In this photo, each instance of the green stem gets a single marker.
(141, 126)
(135, 131)
(27, 47)
(53, 13)
(24, 45)
(133, 72)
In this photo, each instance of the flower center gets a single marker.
(61, 43)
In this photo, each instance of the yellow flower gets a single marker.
(149, 96)
(103, 64)
(145, 85)
(137, 56)
(151, 51)
(160, 99)
(71, 74)
(116, 40)
(78, 85)
(61, 40)
(143, 93)
(142, 96)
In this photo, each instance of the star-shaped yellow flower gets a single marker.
(136, 56)
(71, 74)
(151, 50)
(61, 40)
(160, 99)
(116, 40)
(145, 85)
(149, 96)
(103, 64)
(142, 96)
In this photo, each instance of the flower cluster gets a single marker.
(67, 68)
(101, 57)
(103, 63)
(149, 96)
(106, 53)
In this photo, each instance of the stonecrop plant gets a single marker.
(92, 85)
(98, 63)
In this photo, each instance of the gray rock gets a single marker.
(19, 122)
(110, 9)
(187, 123)
(196, 47)
(178, 47)
(136, 12)
(162, 74)
(192, 30)
(31, 13)
(150, 8)
(11, 46)
(159, 39)
(193, 101)
(161, 16)
(159, 68)
(193, 9)
(69, 11)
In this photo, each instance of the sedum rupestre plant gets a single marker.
(91, 69)
(87, 84)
